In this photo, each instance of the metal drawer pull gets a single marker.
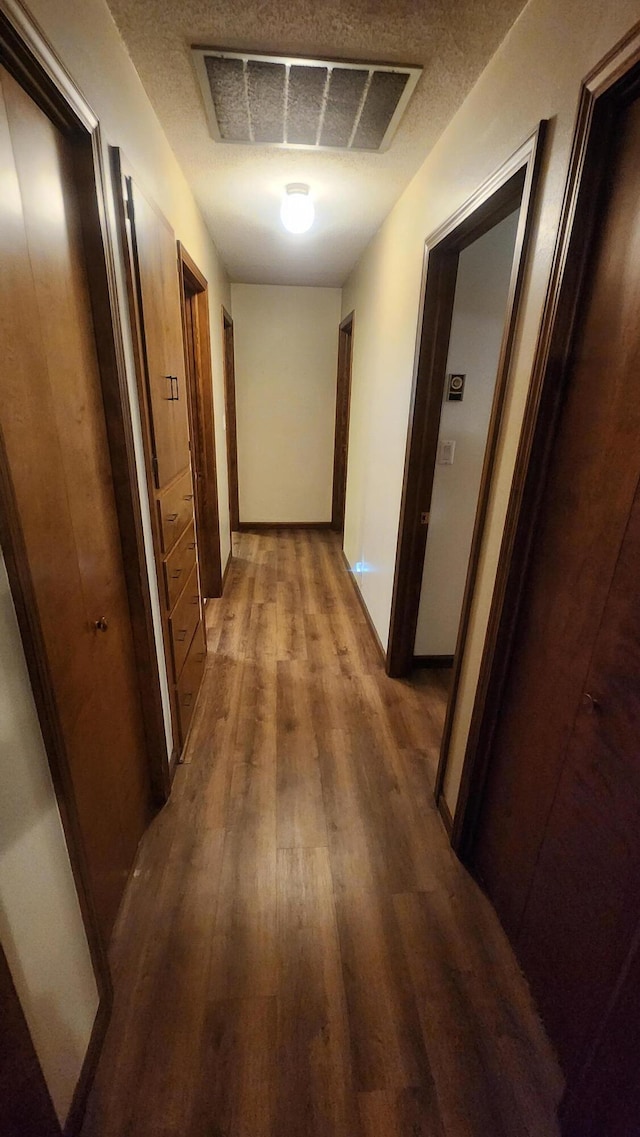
(176, 574)
(590, 704)
(188, 497)
(173, 396)
(171, 517)
(186, 699)
(101, 625)
(195, 599)
(192, 545)
(181, 635)
(200, 656)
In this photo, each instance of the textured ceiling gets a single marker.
(239, 188)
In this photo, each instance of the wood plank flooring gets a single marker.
(299, 953)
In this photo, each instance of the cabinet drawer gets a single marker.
(175, 508)
(191, 678)
(179, 564)
(183, 621)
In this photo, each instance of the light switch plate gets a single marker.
(446, 451)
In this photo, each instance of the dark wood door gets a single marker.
(231, 420)
(558, 845)
(343, 404)
(58, 468)
(157, 266)
(202, 433)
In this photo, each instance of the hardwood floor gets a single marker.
(299, 952)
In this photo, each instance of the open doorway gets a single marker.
(477, 325)
(472, 278)
(343, 405)
(231, 420)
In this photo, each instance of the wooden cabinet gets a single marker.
(184, 620)
(154, 248)
(154, 294)
(191, 677)
(175, 509)
(179, 564)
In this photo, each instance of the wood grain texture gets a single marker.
(197, 345)
(343, 407)
(231, 418)
(346, 977)
(59, 478)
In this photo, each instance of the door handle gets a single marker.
(101, 625)
(171, 397)
(590, 704)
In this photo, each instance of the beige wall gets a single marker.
(535, 74)
(41, 931)
(477, 324)
(286, 347)
(41, 927)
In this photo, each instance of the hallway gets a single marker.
(299, 952)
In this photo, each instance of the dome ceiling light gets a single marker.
(297, 211)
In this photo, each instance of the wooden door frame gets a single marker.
(202, 425)
(343, 408)
(612, 83)
(231, 425)
(29, 57)
(123, 178)
(511, 187)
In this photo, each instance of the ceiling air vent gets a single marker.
(272, 100)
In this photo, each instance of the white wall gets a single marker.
(477, 324)
(41, 927)
(42, 934)
(535, 74)
(286, 348)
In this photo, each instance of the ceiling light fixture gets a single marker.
(297, 210)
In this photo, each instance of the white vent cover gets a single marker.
(272, 100)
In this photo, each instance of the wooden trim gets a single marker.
(103, 287)
(530, 156)
(251, 526)
(445, 814)
(227, 569)
(231, 419)
(611, 83)
(29, 56)
(433, 660)
(508, 188)
(75, 1117)
(31, 59)
(189, 269)
(174, 760)
(202, 422)
(343, 408)
(370, 624)
(121, 184)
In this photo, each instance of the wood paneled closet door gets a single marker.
(559, 838)
(57, 468)
(155, 252)
(155, 304)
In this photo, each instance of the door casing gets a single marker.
(513, 185)
(612, 83)
(194, 293)
(31, 60)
